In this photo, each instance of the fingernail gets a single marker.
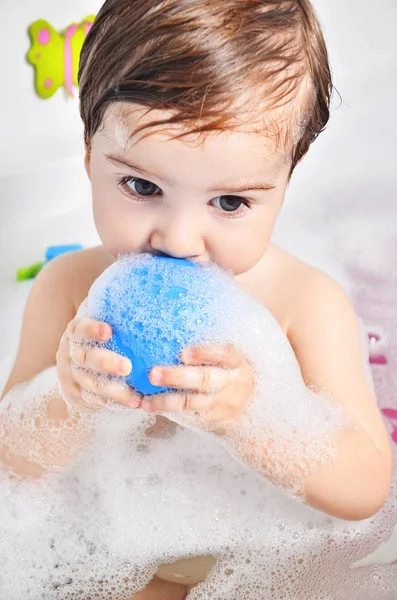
(124, 366)
(146, 406)
(104, 332)
(187, 355)
(156, 376)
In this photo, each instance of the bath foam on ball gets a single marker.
(158, 305)
(155, 306)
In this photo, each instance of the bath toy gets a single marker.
(155, 308)
(55, 56)
(30, 272)
(376, 356)
(54, 251)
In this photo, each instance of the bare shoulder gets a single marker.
(79, 270)
(287, 286)
(312, 291)
(53, 300)
(295, 290)
(317, 309)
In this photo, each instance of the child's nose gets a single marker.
(179, 236)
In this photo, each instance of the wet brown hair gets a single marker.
(196, 58)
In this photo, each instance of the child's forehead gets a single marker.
(276, 130)
(242, 150)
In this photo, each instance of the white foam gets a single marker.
(128, 502)
(122, 134)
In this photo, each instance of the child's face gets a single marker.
(181, 198)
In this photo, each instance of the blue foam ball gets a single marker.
(155, 305)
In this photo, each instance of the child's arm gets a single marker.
(312, 427)
(48, 310)
(326, 337)
(39, 429)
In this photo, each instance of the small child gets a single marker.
(231, 94)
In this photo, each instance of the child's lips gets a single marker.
(197, 261)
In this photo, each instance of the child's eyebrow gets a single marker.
(248, 186)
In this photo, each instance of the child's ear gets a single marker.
(87, 160)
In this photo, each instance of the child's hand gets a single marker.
(80, 364)
(222, 389)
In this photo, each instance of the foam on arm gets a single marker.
(287, 430)
(325, 447)
(131, 502)
(39, 432)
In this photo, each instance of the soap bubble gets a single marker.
(102, 524)
(156, 305)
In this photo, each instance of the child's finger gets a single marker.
(172, 402)
(92, 401)
(88, 329)
(226, 355)
(202, 379)
(100, 360)
(116, 390)
(72, 392)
